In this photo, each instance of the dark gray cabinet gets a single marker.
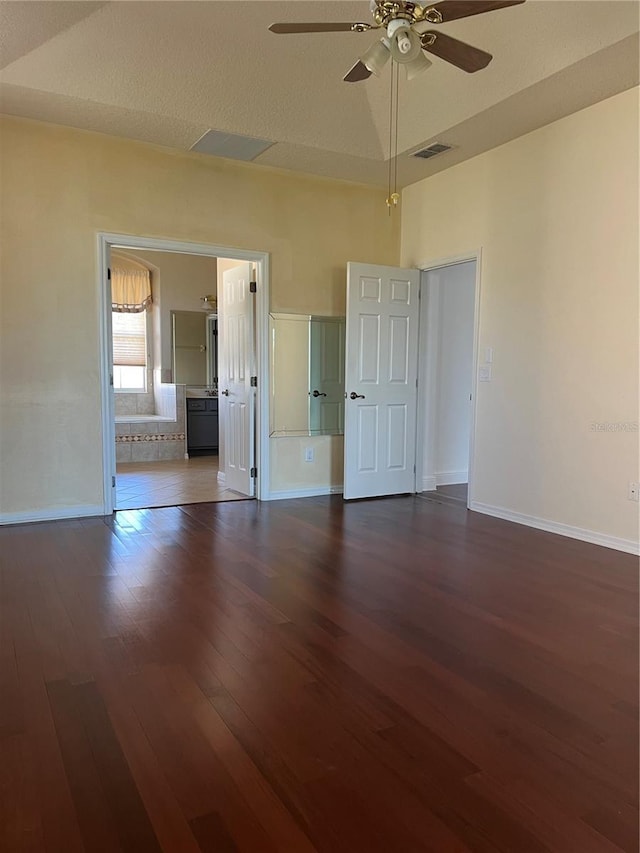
(202, 425)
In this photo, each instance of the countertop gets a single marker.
(201, 392)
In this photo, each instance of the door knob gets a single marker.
(225, 393)
(355, 396)
(317, 393)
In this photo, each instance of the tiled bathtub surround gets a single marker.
(142, 419)
(169, 399)
(161, 436)
(124, 439)
(137, 404)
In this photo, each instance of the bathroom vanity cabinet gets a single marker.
(202, 425)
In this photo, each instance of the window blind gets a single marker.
(130, 339)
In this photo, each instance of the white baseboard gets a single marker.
(604, 539)
(451, 478)
(53, 514)
(314, 491)
(429, 483)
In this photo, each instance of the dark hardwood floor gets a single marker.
(392, 675)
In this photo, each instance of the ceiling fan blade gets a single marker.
(324, 27)
(451, 10)
(456, 52)
(357, 73)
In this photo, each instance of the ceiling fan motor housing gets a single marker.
(386, 11)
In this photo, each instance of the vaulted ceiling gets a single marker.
(166, 72)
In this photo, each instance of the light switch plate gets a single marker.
(488, 355)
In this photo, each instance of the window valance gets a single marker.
(130, 290)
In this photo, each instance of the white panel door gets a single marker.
(236, 395)
(380, 380)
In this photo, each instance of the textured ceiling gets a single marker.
(166, 72)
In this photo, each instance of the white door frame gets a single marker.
(106, 241)
(426, 389)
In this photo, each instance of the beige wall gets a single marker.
(126, 261)
(556, 216)
(59, 188)
(290, 471)
(179, 282)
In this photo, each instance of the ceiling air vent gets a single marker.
(432, 150)
(230, 145)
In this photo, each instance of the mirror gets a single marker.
(307, 374)
(194, 348)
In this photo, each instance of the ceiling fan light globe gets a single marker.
(417, 66)
(399, 43)
(376, 57)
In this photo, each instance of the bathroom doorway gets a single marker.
(164, 351)
(449, 319)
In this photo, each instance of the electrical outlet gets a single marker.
(634, 492)
(308, 454)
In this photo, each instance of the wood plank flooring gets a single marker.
(392, 675)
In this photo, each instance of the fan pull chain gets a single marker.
(390, 139)
(393, 196)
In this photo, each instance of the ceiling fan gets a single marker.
(408, 35)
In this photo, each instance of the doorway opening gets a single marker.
(450, 296)
(183, 417)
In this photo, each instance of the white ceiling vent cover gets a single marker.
(220, 144)
(432, 150)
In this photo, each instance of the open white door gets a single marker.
(236, 394)
(380, 380)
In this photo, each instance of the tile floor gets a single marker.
(171, 483)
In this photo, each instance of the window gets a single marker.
(129, 351)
